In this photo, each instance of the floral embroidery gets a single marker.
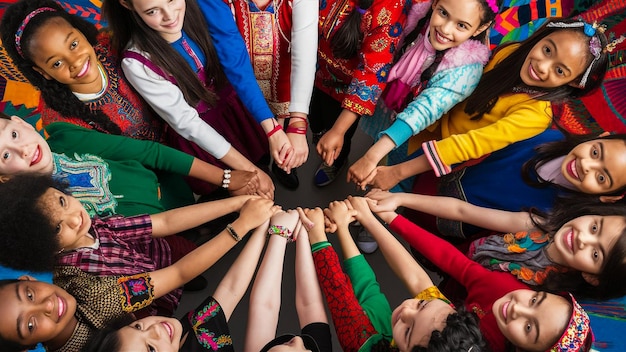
(136, 291)
(395, 30)
(199, 321)
(363, 91)
(379, 45)
(384, 17)
(383, 73)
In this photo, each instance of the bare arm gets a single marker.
(265, 297)
(237, 161)
(180, 219)
(309, 300)
(359, 171)
(399, 259)
(236, 281)
(253, 214)
(241, 181)
(385, 177)
(453, 209)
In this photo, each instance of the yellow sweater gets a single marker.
(513, 118)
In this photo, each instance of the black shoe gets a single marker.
(290, 181)
(198, 283)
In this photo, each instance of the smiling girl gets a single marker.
(63, 318)
(80, 79)
(531, 173)
(564, 58)
(577, 247)
(443, 56)
(512, 316)
(361, 314)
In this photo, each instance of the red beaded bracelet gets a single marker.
(274, 130)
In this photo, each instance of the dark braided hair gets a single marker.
(57, 96)
(346, 42)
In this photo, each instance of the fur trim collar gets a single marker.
(469, 52)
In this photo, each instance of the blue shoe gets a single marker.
(325, 174)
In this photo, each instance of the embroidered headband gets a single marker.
(493, 5)
(20, 29)
(576, 333)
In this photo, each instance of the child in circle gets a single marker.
(577, 247)
(563, 58)
(204, 328)
(281, 39)
(531, 174)
(109, 174)
(357, 41)
(64, 317)
(361, 313)
(444, 54)
(512, 316)
(76, 70)
(65, 235)
(188, 60)
(38, 32)
(207, 328)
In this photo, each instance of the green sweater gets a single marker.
(114, 174)
(373, 302)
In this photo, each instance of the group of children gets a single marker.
(184, 98)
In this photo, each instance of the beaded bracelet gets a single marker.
(226, 179)
(282, 231)
(232, 232)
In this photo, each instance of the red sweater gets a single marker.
(483, 286)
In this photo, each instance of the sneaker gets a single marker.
(290, 181)
(325, 174)
(366, 243)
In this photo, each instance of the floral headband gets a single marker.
(577, 332)
(493, 4)
(20, 29)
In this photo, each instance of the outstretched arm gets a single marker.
(180, 219)
(309, 300)
(265, 297)
(241, 181)
(385, 177)
(236, 281)
(254, 213)
(399, 259)
(453, 209)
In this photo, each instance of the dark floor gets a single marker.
(307, 195)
